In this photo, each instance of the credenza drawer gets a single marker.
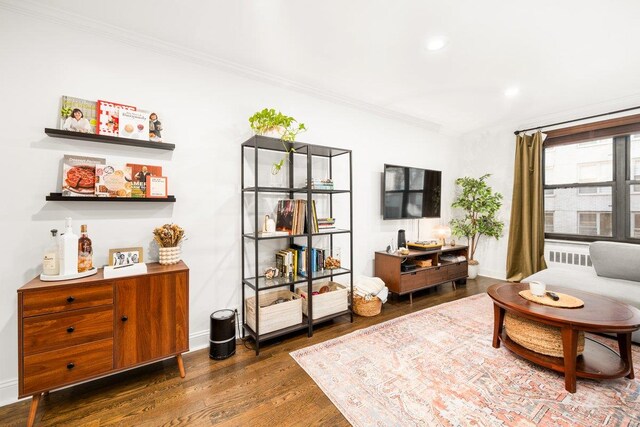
(436, 275)
(66, 329)
(457, 270)
(68, 298)
(412, 280)
(53, 369)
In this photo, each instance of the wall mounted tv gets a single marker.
(410, 192)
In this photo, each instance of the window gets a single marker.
(593, 173)
(548, 222)
(594, 223)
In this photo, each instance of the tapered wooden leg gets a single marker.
(181, 365)
(498, 320)
(453, 282)
(624, 344)
(570, 351)
(34, 408)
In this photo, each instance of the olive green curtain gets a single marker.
(525, 254)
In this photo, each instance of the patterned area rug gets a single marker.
(437, 367)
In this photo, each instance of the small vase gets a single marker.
(169, 256)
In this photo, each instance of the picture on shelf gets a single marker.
(156, 187)
(139, 174)
(285, 215)
(133, 124)
(125, 256)
(155, 128)
(109, 116)
(113, 181)
(79, 175)
(78, 115)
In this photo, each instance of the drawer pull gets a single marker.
(71, 329)
(124, 318)
(70, 365)
(71, 299)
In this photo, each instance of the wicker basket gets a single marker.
(536, 336)
(366, 308)
(277, 316)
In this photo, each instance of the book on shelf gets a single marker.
(133, 124)
(109, 117)
(78, 115)
(291, 216)
(79, 175)
(113, 181)
(139, 174)
(285, 215)
(321, 184)
(272, 233)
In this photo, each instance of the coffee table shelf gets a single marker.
(598, 361)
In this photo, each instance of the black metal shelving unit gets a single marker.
(256, 282)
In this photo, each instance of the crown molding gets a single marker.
(151, 44)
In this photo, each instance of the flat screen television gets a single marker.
(410, 192)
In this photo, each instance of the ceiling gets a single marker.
(564, 56)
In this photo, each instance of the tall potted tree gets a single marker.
(479, 205)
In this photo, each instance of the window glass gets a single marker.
(573, 213)
(582, 162)
(635, 225)
(548, 222)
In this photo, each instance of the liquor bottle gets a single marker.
(68, 244)
(85, 251)
(50, 261)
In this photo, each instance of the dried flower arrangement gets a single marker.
(168, 236)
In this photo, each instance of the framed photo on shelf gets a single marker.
(121, 257)
(156, 187)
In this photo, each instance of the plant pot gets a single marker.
(473, 271)
(169, 256)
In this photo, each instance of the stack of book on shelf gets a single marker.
(292, 216)
(292, 262)
(326, 223)
(322, 184)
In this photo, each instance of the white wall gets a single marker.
(204, 112)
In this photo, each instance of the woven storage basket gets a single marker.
(536, 336)
(277, 316)
(366, 308)
(334, 301)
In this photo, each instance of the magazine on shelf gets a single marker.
(79, 175)
(133, 124)
(78, 115)
(139, 174)
(109, 117)
(113, 181)
(284, 215)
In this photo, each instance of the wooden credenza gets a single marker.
(76, 330)
(388, 268)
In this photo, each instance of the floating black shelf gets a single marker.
(58, 197)
(58, 133)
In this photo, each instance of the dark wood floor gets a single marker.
(243, 390)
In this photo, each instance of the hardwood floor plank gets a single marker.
(268, 390)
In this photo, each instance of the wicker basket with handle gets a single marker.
(365, 308)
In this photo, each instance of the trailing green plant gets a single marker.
(480, 206)
(270, 120)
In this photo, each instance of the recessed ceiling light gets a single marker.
(436, 43)
(512, 91)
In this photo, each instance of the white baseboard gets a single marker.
(9, 388)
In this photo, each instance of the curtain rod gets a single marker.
(577, 120)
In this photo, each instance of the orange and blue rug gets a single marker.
(436, 367)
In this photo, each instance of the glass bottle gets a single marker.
(85, 251)
(50, 261)
(68, 250)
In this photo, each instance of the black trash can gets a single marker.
(222, 338)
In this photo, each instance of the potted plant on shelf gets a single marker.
(480, 207)
(269, 122)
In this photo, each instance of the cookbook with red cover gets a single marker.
(108, 117)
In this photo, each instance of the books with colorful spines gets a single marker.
(79, 175)
(285, 215)
(133, 124)
(86, 120)
(301, 266)
(109, 117)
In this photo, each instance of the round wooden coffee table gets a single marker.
(599, 314)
